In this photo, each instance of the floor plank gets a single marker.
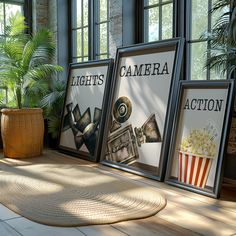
(101, 230)
(196, 222)
(6, 214)
(152, 226)
(29, 228)
(6, 230)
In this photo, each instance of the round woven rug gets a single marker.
(60, 191)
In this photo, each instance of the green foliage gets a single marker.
(25, 62)
(52, 104)
(223, 38)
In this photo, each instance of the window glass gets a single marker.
(85, 44)
(79, 42)
(101, 26)
(91, 38)
(167, 27)
(3, 96)
(12, 9)
(199, 18)
(77, 59)
(103, 38)
(190, 19)
(150, 2)
(74, 43)
(103, 56)
(152, 19)
(202, 21)
(1, 19)
(198, 60)
(103, 10)
(158, 20)
(216, 76)
(85, 12)
(6, 11)
(79, 14)
(215, 16)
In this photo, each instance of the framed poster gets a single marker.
(84, 108)
(137, 129)
(199, 136)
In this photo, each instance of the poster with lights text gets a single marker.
(85, 107)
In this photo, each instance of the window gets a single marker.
(190, 19)
(158, 19)
(90, 27)
(101, 24)
(8, 8)
(201, 20)
(80, 44)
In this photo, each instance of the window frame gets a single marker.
(98, 23)
(27, 11)
(141, 10)
(93, 32)
(181, 25)
(190, 41)
(159, 6)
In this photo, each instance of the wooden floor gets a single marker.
(186, 213)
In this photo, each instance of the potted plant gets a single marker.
(24, 68)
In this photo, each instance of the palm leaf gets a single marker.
(41, 72)
(52, 105)
(54, 126)
(25, 62)
(223, 38)
(39, 49)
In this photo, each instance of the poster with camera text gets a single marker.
(144, 77)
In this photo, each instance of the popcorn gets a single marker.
(196, 154)
(199, 142)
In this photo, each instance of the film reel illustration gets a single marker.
(122, 109)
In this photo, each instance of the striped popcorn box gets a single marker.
(194, 169)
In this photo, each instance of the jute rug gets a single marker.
(58, 190)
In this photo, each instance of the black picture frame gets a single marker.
(160, 57)
(84, 111)
(199, 136)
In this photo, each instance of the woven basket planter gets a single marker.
(22, 132)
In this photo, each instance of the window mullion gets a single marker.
(4, 17)
(108, 11)
(91, 30)
(82, 30)
(96, 29)
(188, 38)
(208, 75)
(160, 20)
